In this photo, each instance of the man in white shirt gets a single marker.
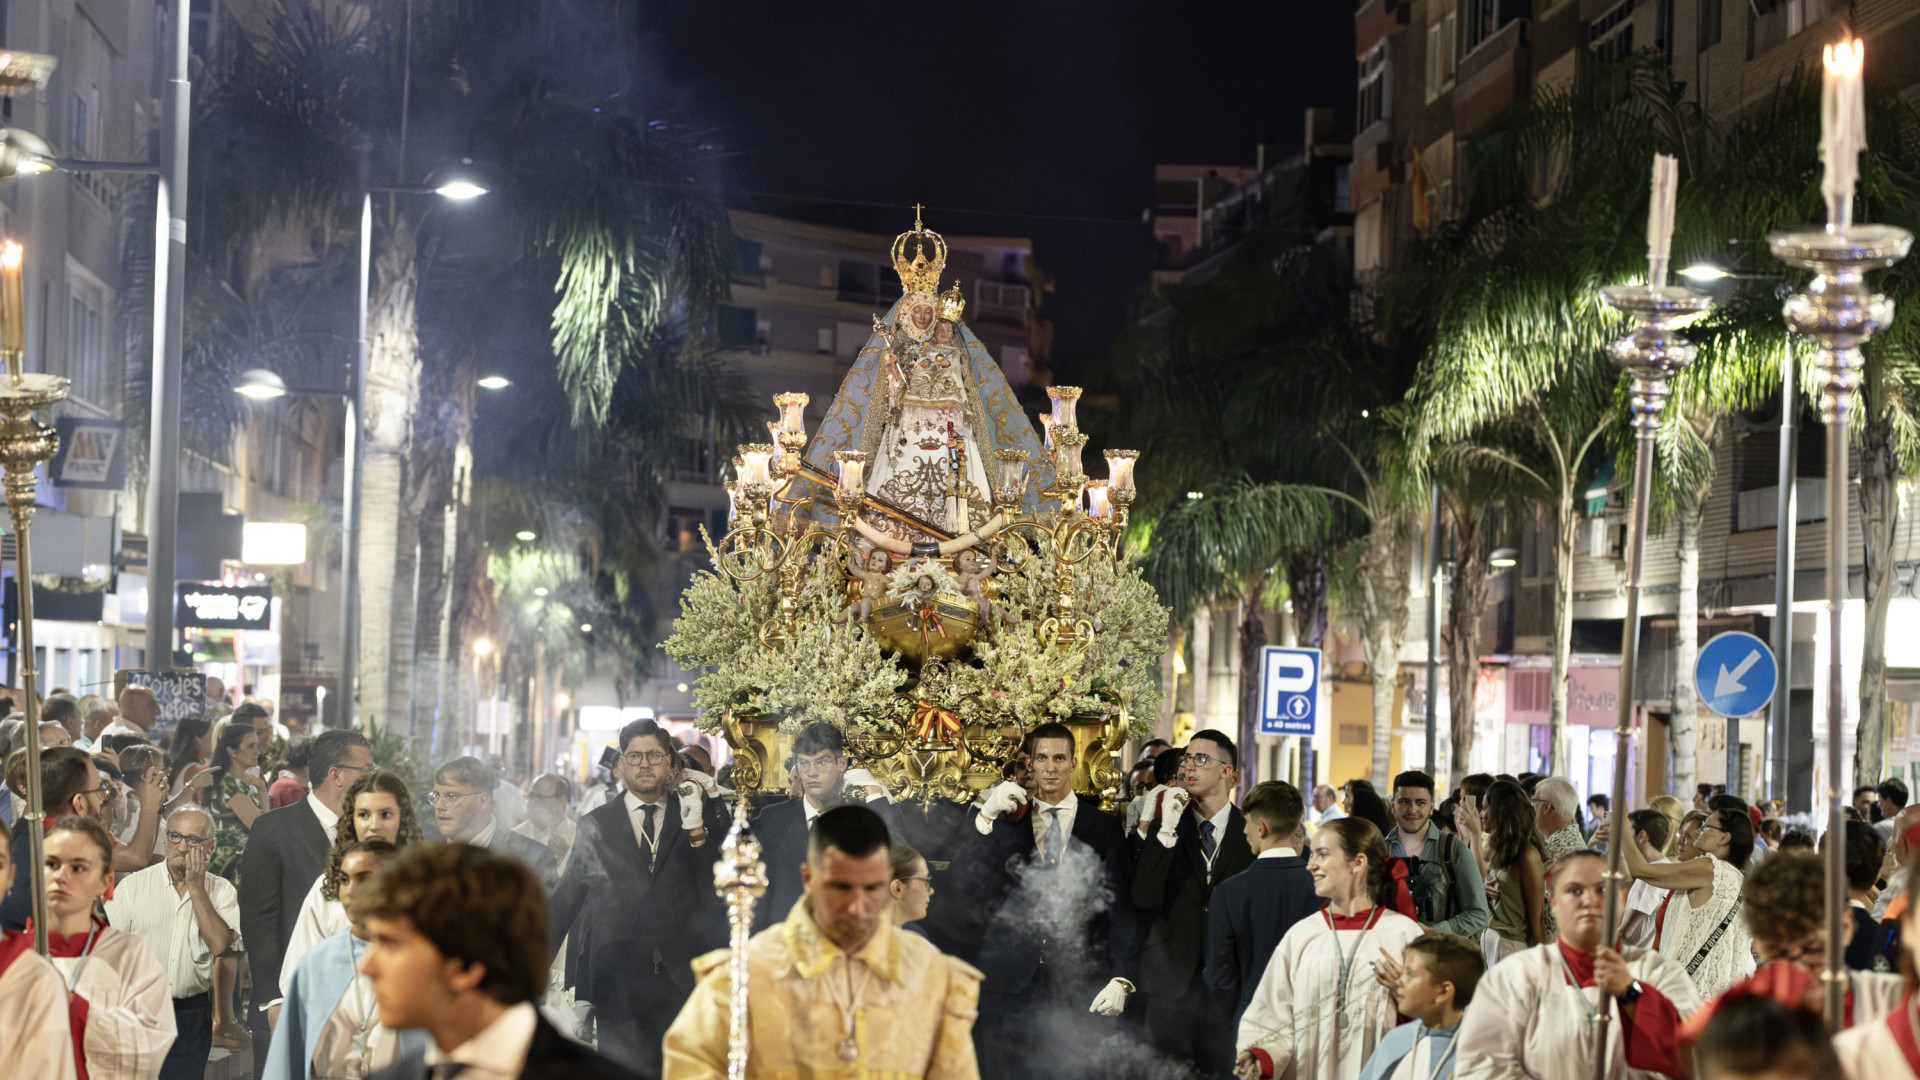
(189, 918)
(1326, 805)
(139, 709)
(1646, 903)
(547, 821)
(458, 946)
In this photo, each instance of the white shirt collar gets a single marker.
(1041, 806)
(1278, 853)
(499, 1049)
(1220, 821)
(484, 838)
(328, 819)
(635, 802)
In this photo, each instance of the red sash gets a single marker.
(1903, 1034)
(63, 945)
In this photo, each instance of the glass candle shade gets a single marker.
(853, 471)
(755, 463)
(1065, 398)
(733, 503)
(1067, 446)
(1013, 473)
(793, 409)
(1098, 505)
(1046, 430)
(1120, 471)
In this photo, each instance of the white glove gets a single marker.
(865, 786)
(1172, 806)
(1149, 804)
(706, 783)
(1134, 806)
(693, 807)
(1112, 999)
(1002, 798)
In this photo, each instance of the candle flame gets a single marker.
(10, 255)
(1846, 58)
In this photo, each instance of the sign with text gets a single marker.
(1289, 690)
(92, 454)
(182, 694)
(223, 607)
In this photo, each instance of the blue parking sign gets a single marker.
(1289, 690)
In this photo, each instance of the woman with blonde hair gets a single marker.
(1676, 812)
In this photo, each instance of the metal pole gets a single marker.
(350, 490)
(1435, 580)
(169, 307)
(20, 484)
(1840, 312)
(1652, 354)
(1786, 510)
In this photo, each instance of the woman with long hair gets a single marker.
(189, 751)
(1676, 812)
(120, 1010)
(1319, 1009)
(379, 806)
(1366, 804)
(233, 795)
(1702, 929)
(1517, 857)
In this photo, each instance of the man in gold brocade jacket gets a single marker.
(836, 990)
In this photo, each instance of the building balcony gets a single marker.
(1492, 77)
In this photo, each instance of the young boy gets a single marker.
(1436, 984)
(1251, 911)
(1757, 1038)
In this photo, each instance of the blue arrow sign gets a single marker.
(1289, 690)
(1735, 674)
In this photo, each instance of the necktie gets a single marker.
(1206, 839)
(1051, 841)
(646, 825)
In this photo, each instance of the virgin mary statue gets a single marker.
(929, 407)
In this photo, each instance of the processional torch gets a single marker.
(1839, 312)
(740, 878)
(25, 443)
(1651, 355)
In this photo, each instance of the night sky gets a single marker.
(1026, 115)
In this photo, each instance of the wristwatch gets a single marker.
(1633, 993)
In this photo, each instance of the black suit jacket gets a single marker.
(551, 1056)
(782, 829)
(1247, 916)
(539, 857)
(1172, 887)
(1011, 944)
(17, 907)
(627, 908)
(287, 850)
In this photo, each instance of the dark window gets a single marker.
(866, 283)
(1374, 88)
(1712, 18)
(735, 327)
(746, 261)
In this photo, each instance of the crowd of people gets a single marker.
(226, 886)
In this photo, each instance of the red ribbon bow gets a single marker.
(1781, 980)
(1399, 871)
(931, 722)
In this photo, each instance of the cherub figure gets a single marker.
(873, 583)
(974, 572)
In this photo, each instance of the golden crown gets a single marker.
(920, 274)
(952, 303)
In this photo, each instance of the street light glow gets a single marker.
(586, 628)
(1703, 272)
(1502, 558)
(681, 688)
(561, 700)
(460, 190)
(260, 385)
(524, 535)
(540, 590)
(494, 382)
(482, 646)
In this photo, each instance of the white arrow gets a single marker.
(1729, 681)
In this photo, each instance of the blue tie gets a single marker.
(1206, 839)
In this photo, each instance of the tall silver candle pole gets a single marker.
(1839, 312)
(740, 878)
(1652, 354)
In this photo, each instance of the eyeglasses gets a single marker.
(927, 881)
(807, 765)
(1200, 761)
(1704, 827)
(187, 841)
(637, 758)
(107, 791)
(435, 798)
(360, 769)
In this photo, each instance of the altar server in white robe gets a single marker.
(119, 1010)
(1319, 1010)
(1534, 1014)
(1889, 1048)
(330, 1023)
(33, 1000)
(1752, 1036)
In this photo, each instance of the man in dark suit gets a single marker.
(638, 892)
(1058, 931)
(462, 801)
(819, 761)
(1196, 840)
(457, 945)
(1249, 913)
(287, 849)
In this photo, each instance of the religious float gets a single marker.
(926, 572)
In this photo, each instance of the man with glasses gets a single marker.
(819, 764)
(637, 898)
(188, 918)
(547, 821)
(287, 850)
(1196, 839)
(69, 784)
(462, 800)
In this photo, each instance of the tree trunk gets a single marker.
(1253, 638)
(1307, 590)
(392, 388)
(1879, 514)
(1565, 522)
(1385, 595)
(1686, 651)
(1466, 607)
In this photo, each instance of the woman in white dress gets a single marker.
(377, 807)
(118, 1004)
(1319, 1009)
(1703, 930)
